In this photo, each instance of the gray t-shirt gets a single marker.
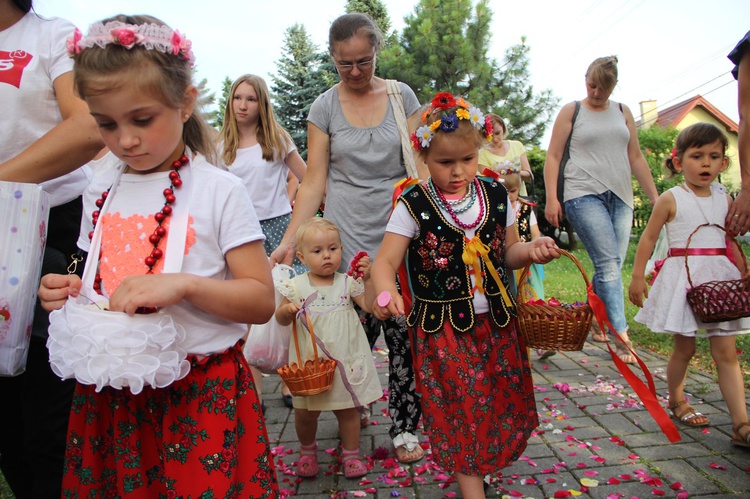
(364, 165)
(599, 155)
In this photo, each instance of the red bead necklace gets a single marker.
(161, 216)
(449, 209)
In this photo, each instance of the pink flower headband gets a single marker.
(150, 36)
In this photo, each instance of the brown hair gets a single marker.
(604, 71)
(166, 77)
(696, 135)
(314, 223)
(511, 180)
(497, 119)
(274, 141)
(353, 24)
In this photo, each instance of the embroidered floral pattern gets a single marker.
(435, 252)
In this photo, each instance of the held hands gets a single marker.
(388, 305)
(55, 289)
(638, 290)
(738, 216)
(543, 250)
(284, 253)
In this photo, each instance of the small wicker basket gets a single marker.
(718, 301)
(553, 327)
(312, 377)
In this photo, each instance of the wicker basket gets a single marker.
(553, 327)
(718, 301)
(312, 377)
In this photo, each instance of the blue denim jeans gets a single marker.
(602, 223)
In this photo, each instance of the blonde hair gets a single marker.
(603, 72)
(165, 76)
(314, 224)
(274, 141)
(511, 180)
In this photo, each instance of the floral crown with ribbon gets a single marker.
(507, 168)
(150, 36)
(448, 110)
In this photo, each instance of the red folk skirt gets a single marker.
(478, 406)
(203, 436)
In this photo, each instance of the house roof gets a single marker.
(673, 115)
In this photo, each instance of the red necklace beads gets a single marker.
(449, 209)
(161, 216)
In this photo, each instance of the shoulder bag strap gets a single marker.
(397, 101)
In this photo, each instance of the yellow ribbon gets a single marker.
(474, 250)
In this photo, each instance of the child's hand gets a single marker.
(355, 266)
(637, 291)
(149, 291)
(388, 305)
(363, 268)
(55, 289)
(289, 311)
(543, 250)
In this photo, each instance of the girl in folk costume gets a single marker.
(165, 404)
(259, 151)
(457, 233)
(700, 154)
(328, 297)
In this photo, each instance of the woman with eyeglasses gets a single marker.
(355, 158)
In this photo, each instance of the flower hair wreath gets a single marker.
(150, 36)
(449, 111)
(508, 168)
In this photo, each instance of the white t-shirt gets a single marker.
(403, 224)
(103, 173)
(264, 180)
(32, 56)
(221, 218)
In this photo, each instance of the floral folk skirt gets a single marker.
(478, 406)
(202, 436)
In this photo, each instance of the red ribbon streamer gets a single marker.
(647, 394)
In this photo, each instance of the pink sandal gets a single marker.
(353, 466)
(307, 466)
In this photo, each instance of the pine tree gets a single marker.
(216, 118)
(376, 10)
(526, 113)
(444, 47)
(303, 74)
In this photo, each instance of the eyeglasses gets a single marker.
(362, 65)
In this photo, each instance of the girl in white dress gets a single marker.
(337, 325)
(699, 154)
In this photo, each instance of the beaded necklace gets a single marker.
(159, 232)
(441, 197)
(470, 196)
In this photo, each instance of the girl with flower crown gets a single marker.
(165, 405)
(457, 236)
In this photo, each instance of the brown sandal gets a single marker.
(737, 438)
(688, 415)
(623, 350)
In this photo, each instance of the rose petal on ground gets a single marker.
(588, 482)
(717, 466)
(590, 473)
(676, 486)
(613, 481)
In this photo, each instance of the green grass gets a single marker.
(5, 492)
(563, 280)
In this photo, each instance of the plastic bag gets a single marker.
(267, 346)
(25, 209)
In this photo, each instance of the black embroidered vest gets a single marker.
(439, 279)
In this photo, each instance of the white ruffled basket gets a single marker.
(105, 348)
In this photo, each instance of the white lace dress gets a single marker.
(337, 324)
(666, 310)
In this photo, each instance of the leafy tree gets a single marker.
(217, 116)
(303, 74)
(527, 113)
(657, 143)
